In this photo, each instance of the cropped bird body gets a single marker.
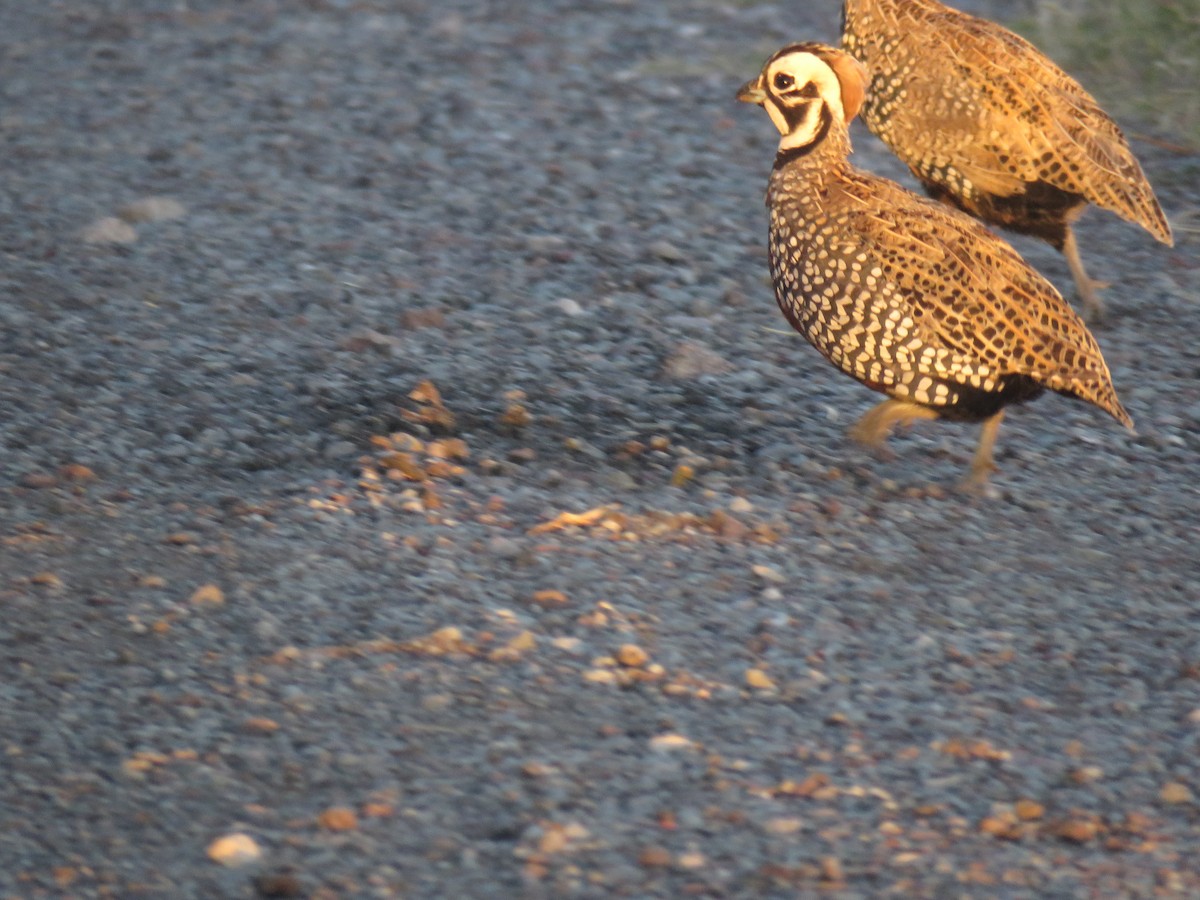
(908, 296)
(987, 123)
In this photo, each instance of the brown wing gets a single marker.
(978, 311)
(1009, 115)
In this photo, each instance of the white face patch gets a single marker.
(797, 86)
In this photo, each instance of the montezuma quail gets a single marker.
(990, 125)
(910, 297)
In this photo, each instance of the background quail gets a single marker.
(987, 123)
(910, 297)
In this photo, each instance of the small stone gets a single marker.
(1029, 810)
(783, 825)
(654, 857)
(46, 579)
(692, 859)
(1175, 793)
(666, 743)
(667, 251)
(569, 307)
(831, 870)
(769, 573)
(152, 581)
(549, 598)
(260, 725)
(759, 680)
(109, 230)
(208, 595)
(682, 475)
(152, 209)
(1087, 774)
(234, 850)
(76, 472)
(691, 360)
(741, 505)
(415, 319)
(37, 480)
(1078, 831)
(504, 547)
(338, 818)
(1001, 824)
(632, 656)
(515, 648)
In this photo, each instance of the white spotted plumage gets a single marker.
(911, 298)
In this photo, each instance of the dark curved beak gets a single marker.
(750, 92)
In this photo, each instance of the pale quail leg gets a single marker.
(983, 464)
(874, 427)
(1093, 306)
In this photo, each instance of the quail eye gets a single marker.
(783, 81)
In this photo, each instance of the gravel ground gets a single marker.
(405, 467)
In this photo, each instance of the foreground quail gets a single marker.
(987, 123)
(909, 296)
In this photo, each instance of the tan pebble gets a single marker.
(769, 573)
(37, 480)
(600, 676)
(180, 538)
(447, 639)
(576, 831)
(759, 680)
(234, 850)
(208, 595)
(549, 598)
(654, 857)
(553, 840)
(437, 702)
(338, 818)
(669, 742)
(692, 859)
(1086, 774)
(153, 209)
(682, 475)
(831, 869)
(1079, 831)
(783, 825)
(999, 825)
(152, 581)
(632, 656)
(741, 505)
(515, 648)
(378, 810)
(47, 579)
(109, 230)
(523, 642)
(691, 360)
(1174, 793)
(1028, 810)
(260, 725)
(76, 472)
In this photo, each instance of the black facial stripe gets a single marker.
(783, 157)
(795, 115)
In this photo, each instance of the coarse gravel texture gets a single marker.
(318, 316)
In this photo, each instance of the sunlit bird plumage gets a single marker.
(988, 123)
(909, 296)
